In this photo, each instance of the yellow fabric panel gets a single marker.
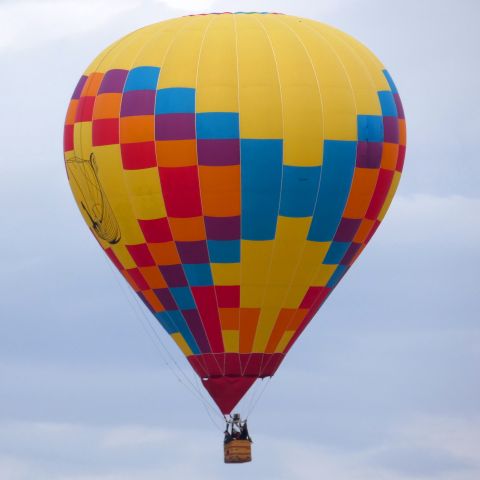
(259, 90)
(217, 85)
(154, 51)
(226, 273)
(294, 263)
(125, 51)
(289, 240)
(323, 274)
(77, 194)
(94, 66)
(112, 179)
(181, 61)
(287, 250)
(255, 262)
(275, 294)
(123, 255)
(391, 193)
(110, 171)
(251, 295)
(312, 256)
(182, 344)
(339, 111)
(107, 56)
(372, 63)
(363, 88)
(282, 344)
(145, 193)
(82, 139)
(266, 321)
(255, 257)
(231, 340)
(302, 106)
(295, 295)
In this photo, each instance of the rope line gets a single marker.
(161, 348)
(265, 386)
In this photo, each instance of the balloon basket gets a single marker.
(238, 451)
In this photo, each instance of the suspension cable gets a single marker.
(265, 386)
(251, 395)
(158, 342)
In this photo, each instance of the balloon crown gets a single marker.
(234, 13)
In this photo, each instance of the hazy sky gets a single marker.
(384, 385)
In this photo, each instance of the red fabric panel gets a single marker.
(232, 365)
(310, 297)
(68, 138)
(206, 302)
(228, 296)
(213, 365)
(181, 191)
(384, 181)
(136, 156)
(271, 363)
(198, 365)
(138, 278)
(113, 258)
(251, 364)
(372, 231)
(313, 310)
(156, 231)
(220, 358)
(401, 158)
(319, 299)
(105, 132)
(141, 255)
(84, 111)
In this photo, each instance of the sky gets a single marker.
(383, 385)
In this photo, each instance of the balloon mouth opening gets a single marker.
(226, 392)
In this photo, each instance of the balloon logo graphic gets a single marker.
(233, 167)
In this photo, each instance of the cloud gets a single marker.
(450, 218)
(13, 468)
(67, 451)
(138, 436)
(189, 5)
(457, 436)
(29, 23)
(418, 272)
(432, 220)
(433, 446)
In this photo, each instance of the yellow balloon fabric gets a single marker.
(233, 167)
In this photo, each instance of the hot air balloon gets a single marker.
(233, 167)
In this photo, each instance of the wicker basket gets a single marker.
(238, 451)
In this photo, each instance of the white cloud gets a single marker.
(184, 454)
(12, 468)
(31, 23)
(432, 219)
(134, 436)
(432, 446)
(456, 436)
(189, 5)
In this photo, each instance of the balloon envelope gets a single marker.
(233, 167)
